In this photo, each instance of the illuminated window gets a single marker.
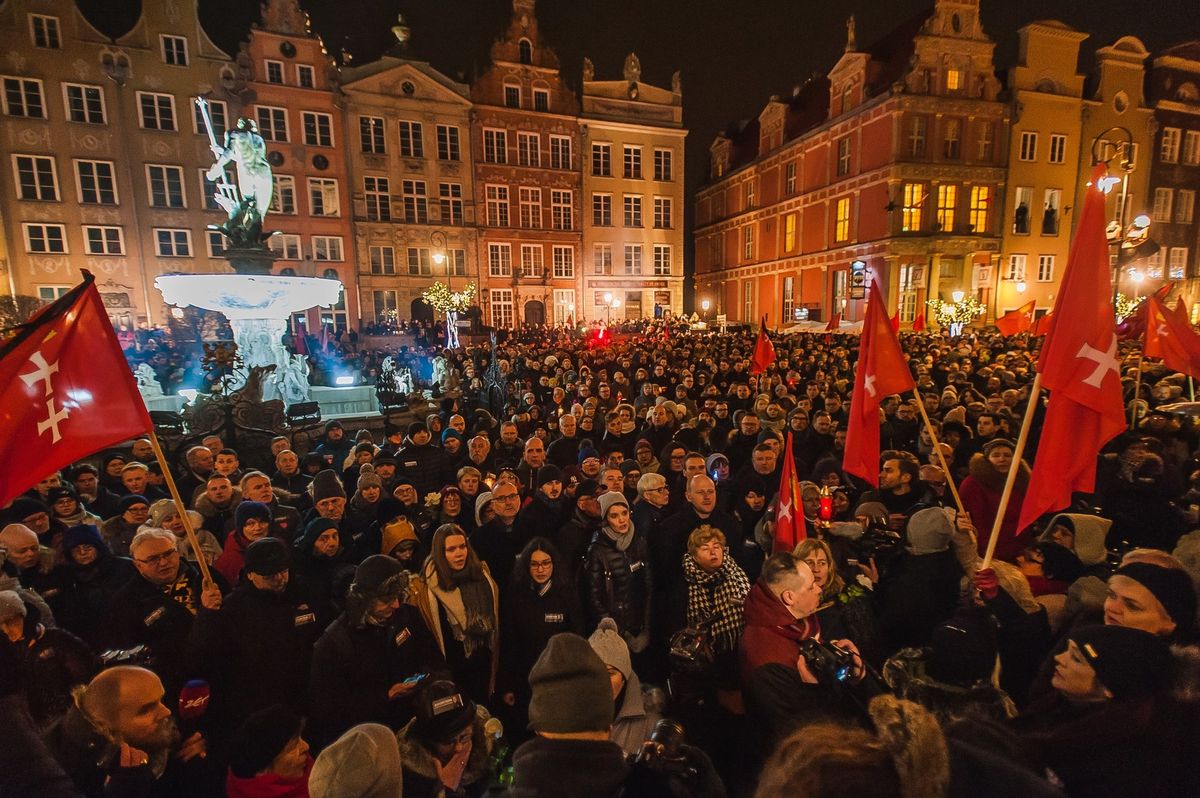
(841, 229)
(953, 79)
(980, 198)
(914, 203)
(947, 200)
(789, 232)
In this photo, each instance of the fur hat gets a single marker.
(571, 689)
(267, 556)
(326, 485)
(915, 740)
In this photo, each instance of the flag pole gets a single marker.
(1191, 389)
(180, 506)
(937, 447)
(1137, 391)
(1034, 392)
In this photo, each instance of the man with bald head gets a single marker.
(668, 545)
(119, 738)
(533, 459)
(33, 565)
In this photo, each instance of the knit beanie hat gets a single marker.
(612, 649)
(548, 473)
(415, 427)
(126, 502)
(61, 492)
(1129, 662)
(451, 432)
(1172, 587)
(250, 510)
(629, 465)
(362, 763)
(571, 689)
(642, 443)
(587, 487)
(963, 650)
(586, 451)
(367, 478)
(261, 738)
(11, 605)
(332, 424)
(267, 556)
(610, 498)
(326, 485)
(377, 575)
(929, 531)
(83, 535)
(442, 710)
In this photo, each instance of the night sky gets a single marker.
(733, 55)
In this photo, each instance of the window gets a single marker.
(215, 240)
(633, 162)
(371, 135)
(97, 186)
(218, 111)
(172, 242)
(502, 307)
(950, 140)
(663, 165)
(419, 264)
(512, 96)
(98, 240)
(789, 232)
(1016, 268)
(157, 110)
(1023, 199)
(1045, 272)
(84, 103)
(602, 258)
(305, 76)
(748, 242)
(411, 143)
(174, 50)
(1028, 151)
(750, 193)
(283, 197)
(843, 156)
(602, 210)
(1185, 206)
(166, 186)
(662, 260)
(456, 263)
(981, 197)
(908, 293)
(23, 97)
(45, 32)
(416, 204)
(327, 247)
(497, 206)
(633, 210)
(286, 246)
(272, 123)
(525, 51)
(379, 200)
(531, 260)
(447, 143)
(323, 197)
(383, 260)
(530, 200)
(789, 179)
(495, 146)
(564, 262)
(947, 204)
(561, 209)
(747, 300)
(841, 228)
(37, 178)
(1191, 147)
(789, 297)
(1168, 148)
(633, 259)
(45, 238)
(451, 202)
(500, 260)
(541, 100)
(986, 141)
(602, 160)
(560, 152)
(274, 72)
(914, 205)
(49, 293)
(318, 129)
(916, 136)
(1177, 263)
(529, 149)
(1162, 204)
(953, 79)
(662, 213)
(564, 306)
(1058, 148)
(384, 304)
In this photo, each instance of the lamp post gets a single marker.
(1132, 242)
(704, 306)
(610, 302)
(438, 239)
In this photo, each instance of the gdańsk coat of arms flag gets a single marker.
(66, 390)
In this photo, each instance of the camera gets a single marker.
(830, 664)
(877, 541)
(662, 752)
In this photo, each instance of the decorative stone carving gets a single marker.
(633, 68)
(589, 69)
(147, 381)
(676, 82)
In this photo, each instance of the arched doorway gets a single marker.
(535, 312)
(420, 311)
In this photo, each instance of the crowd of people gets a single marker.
(567, 584)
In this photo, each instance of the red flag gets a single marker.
(895, 320)
(1042, 325)
(1017, 321)
(919, 322)
(1080, 368)
(881, 371)
(1181, 311)
(66, 390)
(300, 340)
(835, 322)
(764, 351)
(790, 527)
(1170, 339)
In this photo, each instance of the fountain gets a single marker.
(257, 303)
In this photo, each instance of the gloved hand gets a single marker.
(987, 583)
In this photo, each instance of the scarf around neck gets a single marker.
(470, 609)
(718, 594)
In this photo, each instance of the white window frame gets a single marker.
(602, 157)
(561, 152)
(1017, 268)
(378, 198)
(631, 210)
(381, 259)
(500, 307)
(497, 199)
(500, 259)
(112, 179)
(789, 180)
(419, 262)
(495, 145)
(1177, 258)
(414, 198)
(328, 249)
(562, 209)
(165, 52)
(38, 187)
(1045, 269)
(533, 260)
(602, 202)
(167, 169)
(286, 246)
(1168, 145)
(328, 187)
(631, 162)
(541, 99)
(529, 204)
(52, 28)
(174, 242)
(602, 259)
(1163, 202)
(270, 64)
(663, 213)
(450, 203)
(529, 149)
(564, 305)
(1058, 148)
(663, 260)
(1185, 206)
(319, 138)
(301, 71)
(664, 165)
(1191, 148)
(632, 260)
(219, 126)
(748, 242)
(66, 87)
(27, 229)
(285, 186)
(105, 242)
(372, 134)
(449, 143)
(563, 258)
(142, 96)
(1028, 144)
(274, 115)
(26, 84)
(748, 300)
(215, 243)
(411, 137)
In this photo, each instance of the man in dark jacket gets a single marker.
(288, 475)
(285, 519)
(367, 665)
(669, 544)
(336, 447)
(544, 511)
(574, 536)
(500, 540)
(920, 590)
(565, 450)
(95, 575)
(424, 464)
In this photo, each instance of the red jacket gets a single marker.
(980, 493)
(772, 635)
(268, 785)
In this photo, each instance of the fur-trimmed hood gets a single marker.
(418, 761)
(1090, 534)
(986, 474)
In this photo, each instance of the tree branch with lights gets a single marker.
(442, 299)
(956, 315)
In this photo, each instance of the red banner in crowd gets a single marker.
(1017, 321)
(919, 322)
(790, 527)
(835, 321)
(764, 351)
(66, 390)
(1171, 339)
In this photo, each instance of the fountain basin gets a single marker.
(248, 296)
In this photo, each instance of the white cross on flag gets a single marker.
(66, 390)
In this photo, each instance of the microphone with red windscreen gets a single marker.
(193, 703)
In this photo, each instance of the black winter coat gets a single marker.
(90, 593)
(668, 543)
(572, 540)
(531, 618)
(619, 583)
(427, 466)
(918, 593)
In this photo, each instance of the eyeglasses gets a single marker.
(462, 738)
(157, 559)
(541, 564)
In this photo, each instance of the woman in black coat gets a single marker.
(617, 568)
(94, 575)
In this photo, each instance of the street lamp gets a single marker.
(957, 296)
(610, 302)
(438, 239)
(704, 306)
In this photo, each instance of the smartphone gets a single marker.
(417, 678)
